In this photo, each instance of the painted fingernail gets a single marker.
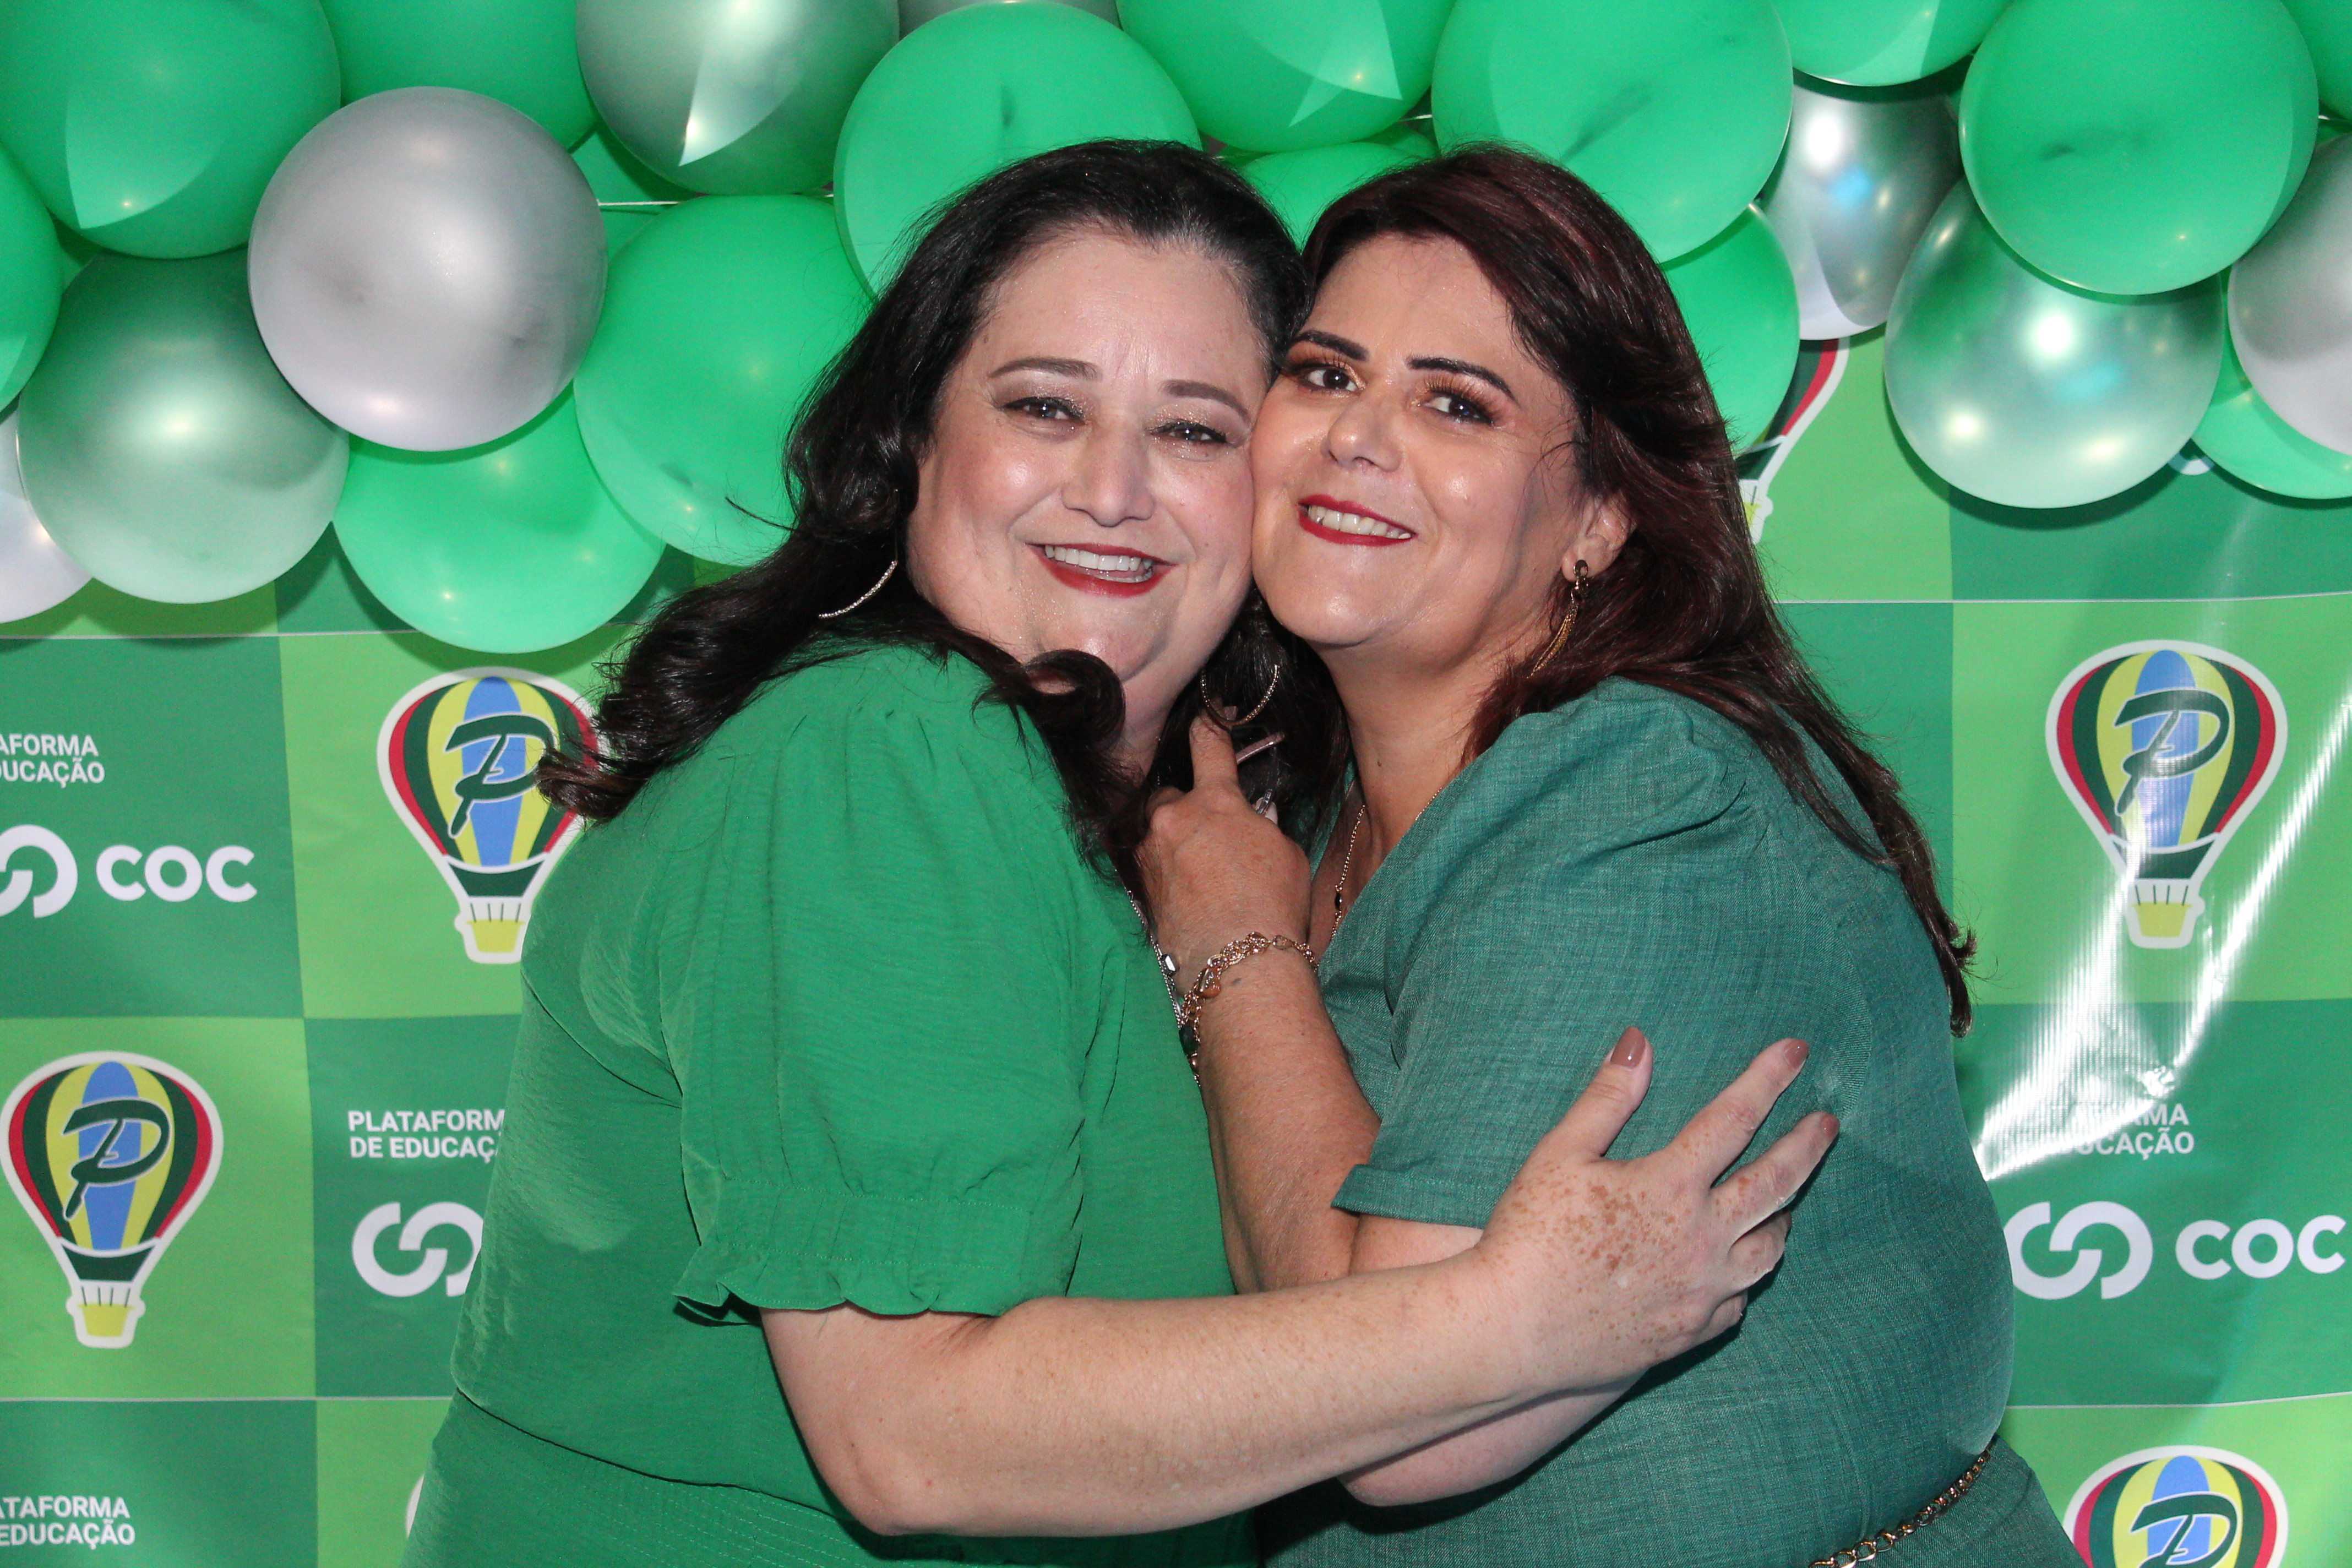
(1798, 1051)
(1632, 1047)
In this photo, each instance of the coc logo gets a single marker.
(431, 1266)
(125, 872)
(2164, 747)
(458, 757)
(110, 1153)
(2203, 1249)
(2179, 1508)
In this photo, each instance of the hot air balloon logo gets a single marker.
(459, 757)
(1820, 367)
(2187, 1505)
(2164, 748)
(110, 1153)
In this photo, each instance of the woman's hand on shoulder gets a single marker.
(1213, 867)
(1617, 1265)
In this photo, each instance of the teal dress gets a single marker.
(1631, 858)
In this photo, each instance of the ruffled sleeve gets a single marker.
(877, 1050)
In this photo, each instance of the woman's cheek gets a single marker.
(1218, 515)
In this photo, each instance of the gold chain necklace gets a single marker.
(1339, 893)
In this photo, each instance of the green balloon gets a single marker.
(1299, 186)
(30, 279)
(1415, 134)
(966, 94)
(1878, 43)
(2137, 146)
(717, 321)
(2242, 434)
(913, 14)
(508, 547)
(1274, 76)
(1739, 301)
(2327, 27)
(733, 97)
(1673, 109)
(74, 252)
(161, 447)
(628, 194)
(520, 52)
(153, 125)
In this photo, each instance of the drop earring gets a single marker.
(1577, 593)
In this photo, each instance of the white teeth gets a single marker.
(1355, 522)
(1118, 568)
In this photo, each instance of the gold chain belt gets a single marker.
(1867, 1548)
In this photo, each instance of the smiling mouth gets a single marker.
(1344, 524)
(1119, 572)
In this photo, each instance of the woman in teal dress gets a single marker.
(1593, 786)
(853, 1202)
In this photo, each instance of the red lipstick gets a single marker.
(1336, 536)
(1089, 582)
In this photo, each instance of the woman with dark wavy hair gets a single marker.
(844, 1064)
(1593, 785)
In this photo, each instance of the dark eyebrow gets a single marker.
(1208, 390)
(1073, 367)
(1464, 367)
(1341, 345)
(1337, 344)
(1083, 371)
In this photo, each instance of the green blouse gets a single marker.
(833, 1011)
(1631, 858)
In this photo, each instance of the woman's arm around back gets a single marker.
(1074, 1416)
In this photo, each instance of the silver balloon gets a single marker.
(1861, 178)
(2291, 304)
(913, 14)
(2032, 393)
(35, 573)
(735, 97)
(427, 267)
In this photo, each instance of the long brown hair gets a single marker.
(1684, 607)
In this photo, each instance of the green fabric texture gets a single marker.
(833, 1011)
(1631, 858)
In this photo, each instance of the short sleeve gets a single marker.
(1604, 872)
(877, 1045)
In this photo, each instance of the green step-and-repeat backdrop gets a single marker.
(264, 864)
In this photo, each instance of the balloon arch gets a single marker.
(2092, 231)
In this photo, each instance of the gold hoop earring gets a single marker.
(1219, 714)
(1577, 593)
(860, 602)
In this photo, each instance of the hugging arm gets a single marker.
(1291, 1130)
(1077, 1416)
(1285, 1112)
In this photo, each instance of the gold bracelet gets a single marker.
(1211, 981)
